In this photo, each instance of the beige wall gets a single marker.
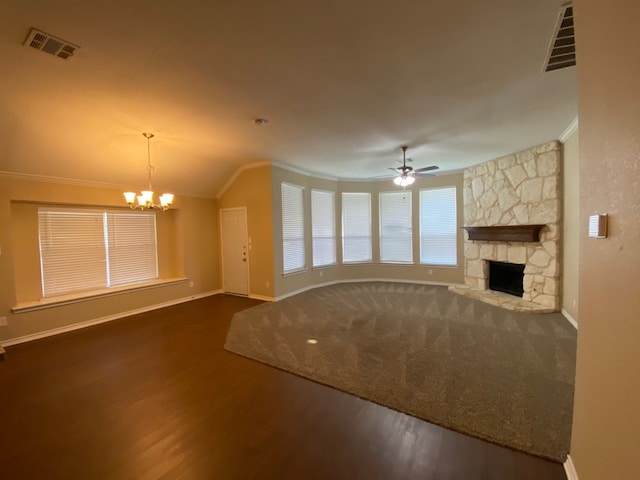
(187, 246)
(252, 189)
(570, 226)
(606, 423)
(314, 276)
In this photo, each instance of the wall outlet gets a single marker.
(321, 272)
(430, 272)
(267, 283)
(191, 284)
(3, 321)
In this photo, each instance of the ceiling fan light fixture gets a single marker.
(406, 174)
(404, 180)
(145, 199)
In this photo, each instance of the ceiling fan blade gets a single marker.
(399, 169)
(427, 169)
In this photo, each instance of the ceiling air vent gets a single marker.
(562, 51)
(48, 43)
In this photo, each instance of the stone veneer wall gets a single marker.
(519, 189)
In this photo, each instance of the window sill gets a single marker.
(294, 272)
(84, 296)
(322, 267)
(437, 265)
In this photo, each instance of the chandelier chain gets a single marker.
(150, 167)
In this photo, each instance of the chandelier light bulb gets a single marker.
(166, 199)
(130, 197)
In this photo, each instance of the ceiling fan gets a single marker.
(407, 174)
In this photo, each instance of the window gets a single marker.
(133, 257)
(395, 227)
(82, 250)
(438, 226)
(293, 257)
(323, 226)
(356, 227)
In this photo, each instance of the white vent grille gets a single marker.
(562, 51)
(49, 44)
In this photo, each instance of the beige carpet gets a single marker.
(501, 376)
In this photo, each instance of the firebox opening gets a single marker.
(506, 277)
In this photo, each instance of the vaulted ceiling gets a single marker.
(343, 83)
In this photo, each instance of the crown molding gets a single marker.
(237, 173)
(300, 171)
(438, 174)
(362, 180)
(570, 130)
(29, 177)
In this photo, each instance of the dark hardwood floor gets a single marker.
(155, 396)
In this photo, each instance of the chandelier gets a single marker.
(145, 199)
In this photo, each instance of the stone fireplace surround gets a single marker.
(520, 189)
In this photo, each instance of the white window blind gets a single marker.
(323, 227)
(72, 251)
(132, 249)
(356, 227)
(438, 226)
(83, 250)
(293, 257)
(396, 242)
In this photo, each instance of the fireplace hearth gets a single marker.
(506, 277)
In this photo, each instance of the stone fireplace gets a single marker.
(521, 190)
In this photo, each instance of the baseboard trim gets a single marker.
(253, 296)
(359, 280)
(108, 318)
(570, 469)
(572, 320)
(264, 298)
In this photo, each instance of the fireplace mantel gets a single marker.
(505, 233)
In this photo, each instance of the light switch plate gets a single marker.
(598, 226)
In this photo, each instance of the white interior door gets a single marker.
(235, 256)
